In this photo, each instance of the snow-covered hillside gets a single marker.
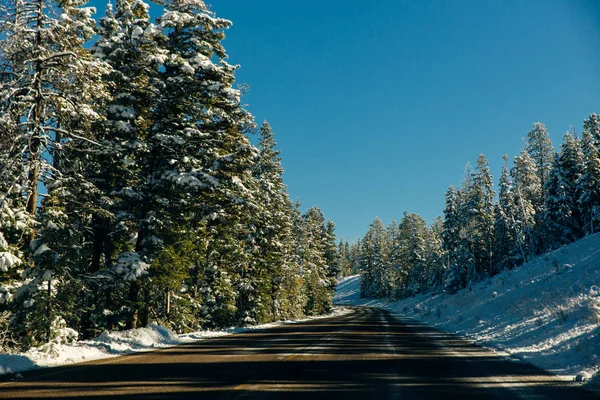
(546, 312)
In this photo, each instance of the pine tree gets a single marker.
(504, 212)
(396, 260)
(453, 277)
(331, 255)
(527, 195)
(343, 258)
(434, 254)
(197, 172)
(563, 219)
(135, 50)
(375, 272)
(355, 256)
(15, 225)
(540, 149)
(465, 250)
(481, 210)
(451, 225)
(588, 184)
(51, 83)
(592, 126)
(313, 262)
(273, 234)
(413, 233)
(51, 91)
(297, 296)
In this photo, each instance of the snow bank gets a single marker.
(108, 344)
(545, 312)
(112, 344)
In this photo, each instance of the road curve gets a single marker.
(365, 354)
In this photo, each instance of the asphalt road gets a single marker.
(365, 354)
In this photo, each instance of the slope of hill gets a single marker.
(546, 312)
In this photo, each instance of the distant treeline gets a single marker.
(545, 200)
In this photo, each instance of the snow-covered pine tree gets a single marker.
(398, 269)
(465, 251)
(355, 256)
(196, 176)
(540, 149)
(503, 213)
(453, 277)
(230, 292)
(50, 97)
(342, 259)
(348, 256)
(257, 293)
(15, 222)
(293, 278)
(237, 233)
(273, 236)
(592, 125)
(376, 275)
(468, 227)
(563, 219)
(51, 84)
(526, 194)
(135, 50)
(331, 255)
(412, 232)
(434, 254)
(481, 209)
(588, 184)
(316, 273)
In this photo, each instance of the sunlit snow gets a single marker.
(546, 312)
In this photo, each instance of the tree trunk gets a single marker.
(110, 319)
(98, 235)
(145, 309)
(273, 301)
(168, 305)
(132, 317)
(35, 139)
(49, 310)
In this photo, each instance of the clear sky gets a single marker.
(378, 105)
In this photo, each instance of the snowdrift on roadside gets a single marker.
(108, 344)
(546, 312)
(112, 344)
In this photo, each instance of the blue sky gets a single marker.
(378, 105)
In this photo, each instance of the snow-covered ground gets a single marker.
(546, 312)
(112, 344)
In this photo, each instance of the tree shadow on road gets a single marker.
(376, 357)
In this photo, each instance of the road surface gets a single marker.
(367, 354)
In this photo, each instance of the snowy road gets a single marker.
(365, 354)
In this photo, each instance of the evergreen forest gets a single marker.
(135, 186)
